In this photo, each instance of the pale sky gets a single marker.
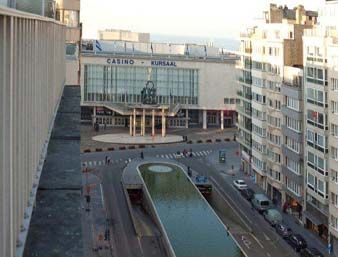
(209, 18)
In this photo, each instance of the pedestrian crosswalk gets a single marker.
(197, 154)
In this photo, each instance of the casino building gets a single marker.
(157, 86)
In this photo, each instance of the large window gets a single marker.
(124, 84)
(316, 97)
(292, 103)
(317, 163)
(294, 166)
(293, 124)
(316, 140)
(316, 75)
(292, 144)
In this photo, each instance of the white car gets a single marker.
(240, 184)
(178, 155)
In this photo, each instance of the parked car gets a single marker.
(297, 242)
(283, 230)
(273, 216)
(247, 193)
(261, 202)
(310, 252)
(240, 184)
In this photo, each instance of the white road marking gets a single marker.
(162, 156)
(166, 156)
(205, 152)
(94, 163)
(194, 154)
(258, 242)
(268, 254)
(266, 237)
(90, 163)
(171, 156)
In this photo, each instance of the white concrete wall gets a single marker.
(32, 74)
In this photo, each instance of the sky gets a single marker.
(208, 18)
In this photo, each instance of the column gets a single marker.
(163, 123)
(131, 125)
(153, 123)
(94, 115)
(134, 123)
(186, 118)
(143, 130)
(204, 119)
(222, 120)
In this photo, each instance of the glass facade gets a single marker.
(123, 84)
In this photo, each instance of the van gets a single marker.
(261, 203)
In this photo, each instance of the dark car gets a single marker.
(297, 242)
(283, 230)
(247, 193)
(310, 252)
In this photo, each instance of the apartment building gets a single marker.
(321, 125)
(270, 89)
(68, 12)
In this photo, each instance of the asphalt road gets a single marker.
(127, 244)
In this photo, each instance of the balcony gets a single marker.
(242, 110)
(245, 80)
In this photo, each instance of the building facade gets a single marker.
(270, 111)
(191, 89)
(320, 87)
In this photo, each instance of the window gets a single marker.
(273, 121)
(293, 186)
(334, 153)
(317, 119)
(293, 124)
(294, 166)
(334, 106)
(316, 97)
(292, 103)
(334, 222)
(274, 138)
(258, 130)
(226, 100)
(334, 130)
(258, 163)
(293, 145)
(311, 181)
(317, 163)
(316, 75)
(316, 140)
(334, 84)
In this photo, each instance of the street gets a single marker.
(256, 236)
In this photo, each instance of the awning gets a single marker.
(315, 219)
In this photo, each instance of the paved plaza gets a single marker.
(125, 139)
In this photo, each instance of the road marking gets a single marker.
(157, 155)
(102, 195)
(258, 242)
(194, 154)
(99, 163)
(162, 156)
(171, 156)
(121, 160)
(268, 254)
(233, 203)
(246, 242)
(90, 163)
(166, 156)
(198, 154)
(205, 152)
(266, 237)
(84, 164)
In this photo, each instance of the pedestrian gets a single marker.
(142, 156)
(285, 207)
(106, 159)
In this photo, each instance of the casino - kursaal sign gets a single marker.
(119, 61)
(163, 63)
